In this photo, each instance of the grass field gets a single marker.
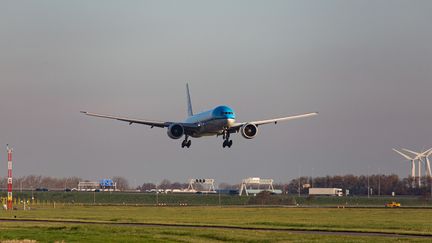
(403, 221)
(211, 199)
(96, 233)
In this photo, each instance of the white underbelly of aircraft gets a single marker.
(214, 127)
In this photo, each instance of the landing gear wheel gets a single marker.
(186, 142)
(227, 143)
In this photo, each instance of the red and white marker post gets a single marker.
(9, 197)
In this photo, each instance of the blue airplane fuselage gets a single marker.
(213, 122)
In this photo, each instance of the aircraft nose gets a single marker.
(230, 122)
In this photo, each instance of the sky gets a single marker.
(365, 66)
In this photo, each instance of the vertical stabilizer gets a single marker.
(189, 102)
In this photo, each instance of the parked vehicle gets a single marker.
(392, 205)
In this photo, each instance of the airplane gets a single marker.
(219, 121)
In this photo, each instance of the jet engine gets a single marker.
(249, 130)
(175, 131)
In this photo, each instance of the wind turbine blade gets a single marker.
(428, 166)
(404, 155)
(429, 152)
(423, 154)
(418, 155)
(410, 151)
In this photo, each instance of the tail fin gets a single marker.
(189, 102)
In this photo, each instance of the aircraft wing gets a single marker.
(237, 126)
(130, 120)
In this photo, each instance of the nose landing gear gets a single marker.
(186, 142)
(227, 142)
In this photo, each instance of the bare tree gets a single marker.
(165, 184)
(146, 186)
(122, 183)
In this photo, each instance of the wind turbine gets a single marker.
(426, 155)
(409, 159)
(428, 163)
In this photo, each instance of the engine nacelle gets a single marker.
(249, 130)
(175, 131)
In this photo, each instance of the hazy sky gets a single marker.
(366, 66)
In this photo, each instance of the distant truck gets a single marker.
(325, 192)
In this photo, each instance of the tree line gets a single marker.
(357, 185)
(32, 182)
(378, 184)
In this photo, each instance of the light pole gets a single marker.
(379, 182)
(312, 177)
(299, 187)
(368, 184)
(157, 195)
(299, 181)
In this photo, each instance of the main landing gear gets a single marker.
(227, 142)
(186, 142)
